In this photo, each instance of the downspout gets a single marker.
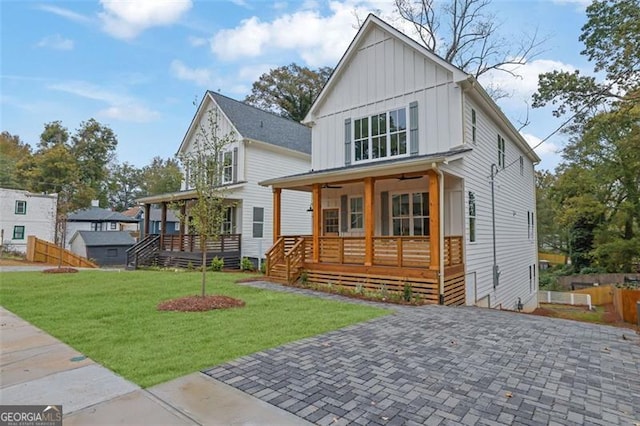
(441, 236)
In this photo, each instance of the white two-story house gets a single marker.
(418, 179)
(264, 146)
(24, 213)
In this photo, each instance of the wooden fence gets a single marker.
(625, 302)
(602, 279)
(45, 252)
(553, 258)
(602, 295)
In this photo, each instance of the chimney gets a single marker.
(95, 203)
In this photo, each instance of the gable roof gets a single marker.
(256, 124)
(466, 80)
(96, 214)
(104, 238)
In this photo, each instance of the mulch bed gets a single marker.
(200, 304)
(63, 270)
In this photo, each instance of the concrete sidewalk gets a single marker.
(36, 368)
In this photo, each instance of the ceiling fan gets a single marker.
(403, 177)
(327, 186)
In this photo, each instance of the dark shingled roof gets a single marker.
(105, 238)
(96, 214)
(254, 123)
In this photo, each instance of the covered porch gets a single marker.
(183, 248)
(380, 230)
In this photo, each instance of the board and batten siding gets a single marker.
(384, 75)
(262, 162)
(514, 199)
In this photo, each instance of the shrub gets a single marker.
(263, 267)
(247, 265)
(304, 277)
(407, 293)
(217, 264)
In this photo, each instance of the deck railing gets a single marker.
(191, 243)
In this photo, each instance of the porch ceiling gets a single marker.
(190, 194)
(406, 165)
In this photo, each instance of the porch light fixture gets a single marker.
(310, 209)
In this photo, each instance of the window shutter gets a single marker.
(344, 213)
(413, 129)
(384, 213)
(347, 141)
(235, 164)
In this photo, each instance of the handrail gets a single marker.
(274, 254)
(295, 260)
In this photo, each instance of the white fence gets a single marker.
(564, 298)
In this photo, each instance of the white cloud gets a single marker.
(319, 40)
(546, 148)
(241, 3)
(121, 106)
(525, 84)
(580, 4)
(56, 42)
(197, 41)
(280, 5)
(65, 13)
(200, 76)
(126, 19)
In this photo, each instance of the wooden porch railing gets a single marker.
(191, 243)
(274, 256)
(294, 260)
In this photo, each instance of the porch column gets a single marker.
(147, 218)
(369, 220)
(434, 220)
(277, 199)
(183, 221)
(163, 223)
(317, 221)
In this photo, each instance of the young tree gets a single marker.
(466, 34)
(288, 90)
(205, 165)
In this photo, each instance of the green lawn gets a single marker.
(111, 317)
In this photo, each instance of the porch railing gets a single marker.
(191, 243)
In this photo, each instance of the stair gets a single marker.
(279, 273)
(144, 252)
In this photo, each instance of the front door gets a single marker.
(331, 222)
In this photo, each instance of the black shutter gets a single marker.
(384, 212)
(235, 164)
(413, 129)
(344, 213)
(347, 141)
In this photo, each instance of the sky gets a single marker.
(141, 67)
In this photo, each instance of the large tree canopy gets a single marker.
(12, 151)
(288, 90)
(611, 39)
(161, 176)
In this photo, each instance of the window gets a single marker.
(530, 225)
(229, 221)
(501, 152)
(113, 226)
(21, 207)
(380, 136)
(410, 214)
(227, 167)
(112, 252)
(331, 220)
(18, 232)
(472, 217)
(521, 166)
(530, 279)
(96, 226)
(356, 213)
(258, 222)
(473, 125)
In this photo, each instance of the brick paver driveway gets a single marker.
(439, 365)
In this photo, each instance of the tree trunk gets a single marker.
(204, 268)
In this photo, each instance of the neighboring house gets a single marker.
(95, 218)
(266, 146)
(24, 213)
(104, 248)
(172, 224)
(406, 151)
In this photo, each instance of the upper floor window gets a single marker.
(521, 166)
(530, 225)
(380, 135)
(501, 152)
(356, 213)
(21, 207)
(410, 213)
(472, 217)
(227, 167)
(18, 232)
(113, 226)
(96, 226)
(473, 125)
